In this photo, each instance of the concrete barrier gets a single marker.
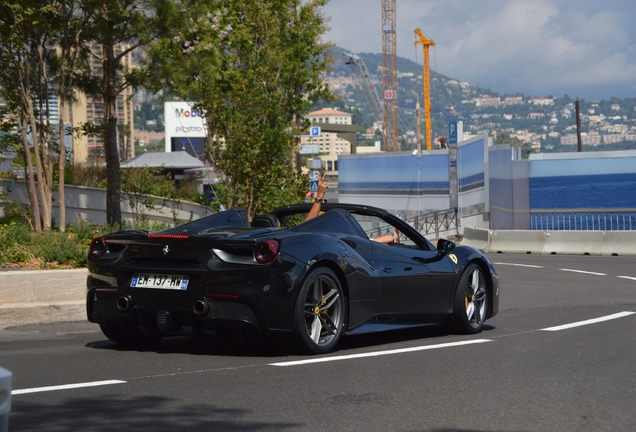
(552, 242)
(42, 296)
(516, 241)
(573, 242)
(619, 243)
(476, 237)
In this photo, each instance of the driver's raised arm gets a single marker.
(320, 198)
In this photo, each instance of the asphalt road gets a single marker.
(558, 357)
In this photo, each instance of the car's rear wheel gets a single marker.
(471, 301)
(113, 331)
(319, 315)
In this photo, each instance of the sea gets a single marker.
(587, 202)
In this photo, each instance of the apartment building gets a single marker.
(87, 109)
(328, 142)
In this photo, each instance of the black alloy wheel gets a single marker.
(471, 301)
(319, 314)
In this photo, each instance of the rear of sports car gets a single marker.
(143, 286)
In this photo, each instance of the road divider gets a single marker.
(551, 242)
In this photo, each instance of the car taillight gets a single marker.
(98, 247)
(266, 251)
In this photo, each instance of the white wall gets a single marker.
(89, 204)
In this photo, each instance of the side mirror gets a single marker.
(445, 246)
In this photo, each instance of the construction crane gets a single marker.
(367, 85)
(389, 77)
(426, 43)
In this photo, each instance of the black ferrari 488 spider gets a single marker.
(309, 281)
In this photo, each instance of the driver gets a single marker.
(319, 199)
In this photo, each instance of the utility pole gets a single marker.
(578, 127)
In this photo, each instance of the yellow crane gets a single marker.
(426, 43)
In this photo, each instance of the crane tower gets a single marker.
(426, 43)
(367, 85)
(389, 77)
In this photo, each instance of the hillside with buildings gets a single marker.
(546, 122)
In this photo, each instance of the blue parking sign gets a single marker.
(452, 132)
(314, 131)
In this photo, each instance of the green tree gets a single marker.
(68, 37)
(117, 27)
(25, 34)
(254, 69)
(142, 188)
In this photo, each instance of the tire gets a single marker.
(471, 301)
(113, 331)
(319, 314)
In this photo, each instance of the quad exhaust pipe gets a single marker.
(201, 307)
(124, 303)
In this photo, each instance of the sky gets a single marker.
(583, 48)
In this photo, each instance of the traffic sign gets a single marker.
(452, 132)
(313, 186)
(314, 131)
(309, 149)
(455, 132)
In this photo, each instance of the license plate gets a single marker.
(161, 281)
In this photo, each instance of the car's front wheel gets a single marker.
(319, 314)
(471, 301)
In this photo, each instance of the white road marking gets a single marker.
(66, 387)
(518, 265)
(627, 277)
(590, 321)
(379, 353)
(584, 272)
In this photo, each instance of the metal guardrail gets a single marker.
(441, 221)
(437, 222)
(583, 220)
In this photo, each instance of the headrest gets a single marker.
(268, 220)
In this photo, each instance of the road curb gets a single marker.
(42, 296)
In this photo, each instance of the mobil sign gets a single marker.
(182, 121)
(186, 112)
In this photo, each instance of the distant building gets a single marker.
(86, 109)
(571, 139)
(328, 142)
(488, 101)
(513, 100)
(542, 101)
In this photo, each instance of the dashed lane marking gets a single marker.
(379, 353)
(627, 277)
(584, 272)
(590, 321)
(66, 387)
(518, 265)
